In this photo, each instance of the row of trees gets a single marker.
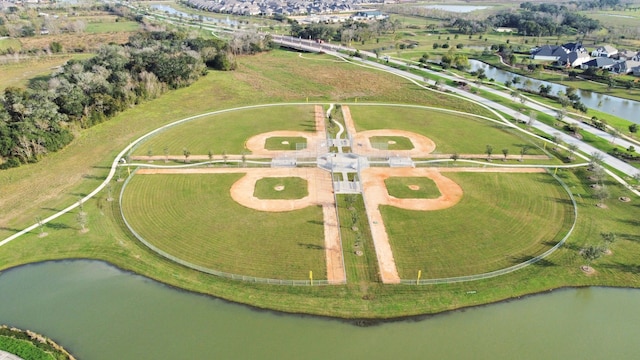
(82, 93)
(539, 23)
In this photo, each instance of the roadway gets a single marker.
(585, 148)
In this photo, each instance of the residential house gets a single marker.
(626, 54)
(569, 54)
(625, 66)
(599, 63)
(604, 51)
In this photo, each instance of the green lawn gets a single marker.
(281, 188)
(412, 188)
(450, 132)
(229, 131)
(391, 143)
(502, 219)
(194, 218)
(284, 143)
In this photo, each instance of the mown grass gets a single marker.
(20, 73)
(391, 143)
(24, 349)
(357, 245)
(450, 132)
(284, 143)
(400, 187)
(194, 218)
(501, 220)
(229, 131)
(292, 188)
(10, 43)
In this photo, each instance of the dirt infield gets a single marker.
(320, 193)
(256, 144)
(422, 145)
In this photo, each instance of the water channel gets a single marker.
(623, 108)
(99, 312)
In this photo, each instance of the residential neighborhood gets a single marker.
(603, 57)
(279, 7)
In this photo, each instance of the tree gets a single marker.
(532, 118)
(560, 114)
(166, 154)
(572, 149)
(82, 217)
(224, 157)
(523, 151)
(505, 152)
(210, 155)
(455, 156)
(602, 194)
(186, 154)
(614, 134)
(633, 128)
(591, 253)
(489, 151)
(556, 139)
(608, 238)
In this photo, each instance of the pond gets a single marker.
(99, 312)
(623, 108)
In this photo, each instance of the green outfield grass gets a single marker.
(503, 219)
(284, 143)
(450, 132)
(229, 131)
(194, 218)
(391, 142)
(400, 187)
(290, 188)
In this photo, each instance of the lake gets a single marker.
(99, 312)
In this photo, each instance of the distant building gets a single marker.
(604, 51)
(599, 63)
(369, 15)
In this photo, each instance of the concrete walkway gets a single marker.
(8, 356)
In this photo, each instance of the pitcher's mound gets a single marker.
(414, 187)
(278, 188)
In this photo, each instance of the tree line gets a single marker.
(41, 118)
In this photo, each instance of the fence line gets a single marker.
(511, 268)
(205, 269)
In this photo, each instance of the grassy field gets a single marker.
(400, 187)
(281, 188)
(194, 218)
(284, 143)
(502, 220)
(60, 178)
(106, 27)
(450, 132)
(20, 73)
(229, 131)
(10, 43)
(391, 142)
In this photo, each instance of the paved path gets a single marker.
(8, 356)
